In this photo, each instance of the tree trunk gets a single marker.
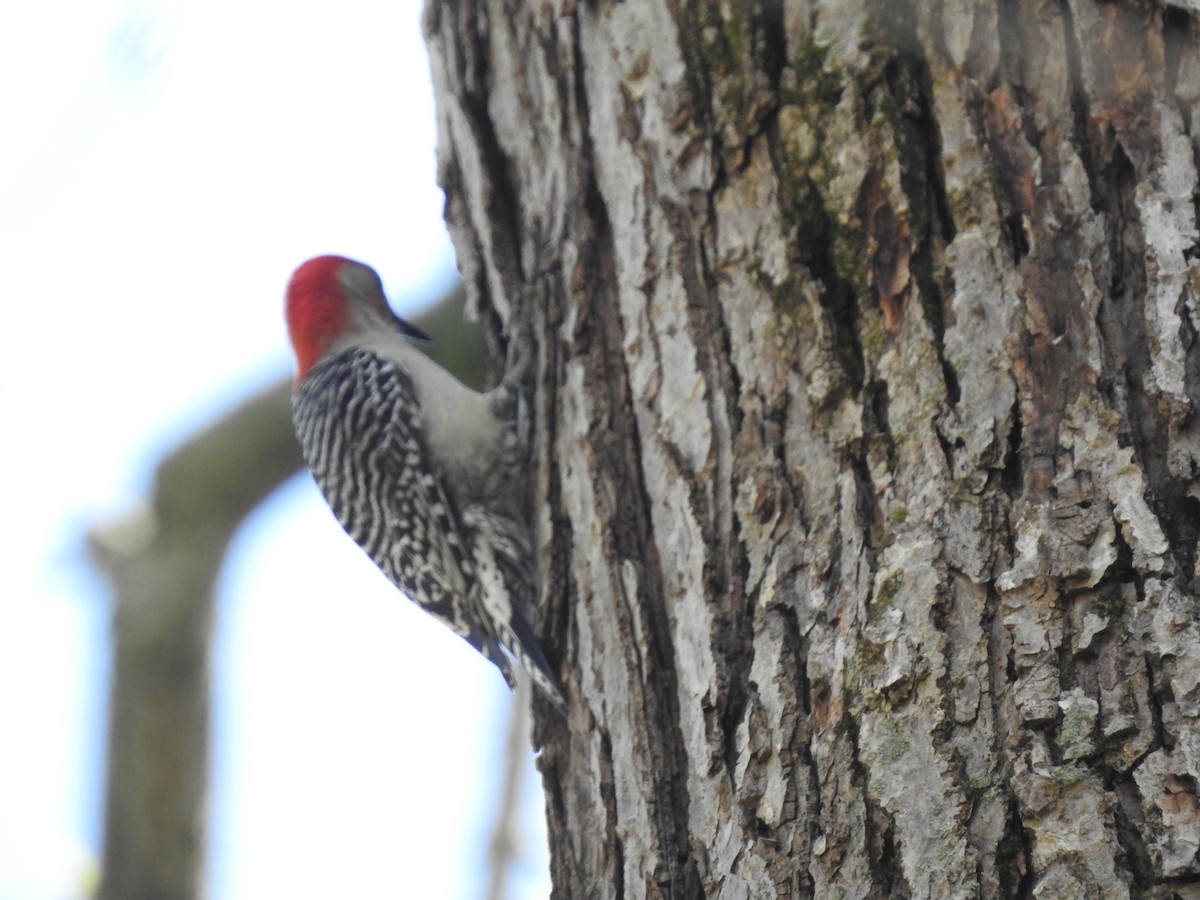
(865, 425)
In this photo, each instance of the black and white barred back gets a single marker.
(358, 421)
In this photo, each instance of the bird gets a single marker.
(428, 476)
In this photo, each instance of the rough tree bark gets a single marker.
(866, 433)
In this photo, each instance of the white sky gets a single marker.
(164, 167)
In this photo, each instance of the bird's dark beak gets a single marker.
(409, 330)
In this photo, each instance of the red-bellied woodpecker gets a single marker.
(424, 473)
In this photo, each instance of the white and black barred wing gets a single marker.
(359, 428)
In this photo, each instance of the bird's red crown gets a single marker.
(316, 309)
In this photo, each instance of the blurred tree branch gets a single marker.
(505, 841)
(163, 562)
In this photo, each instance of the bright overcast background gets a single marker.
(163, 168)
